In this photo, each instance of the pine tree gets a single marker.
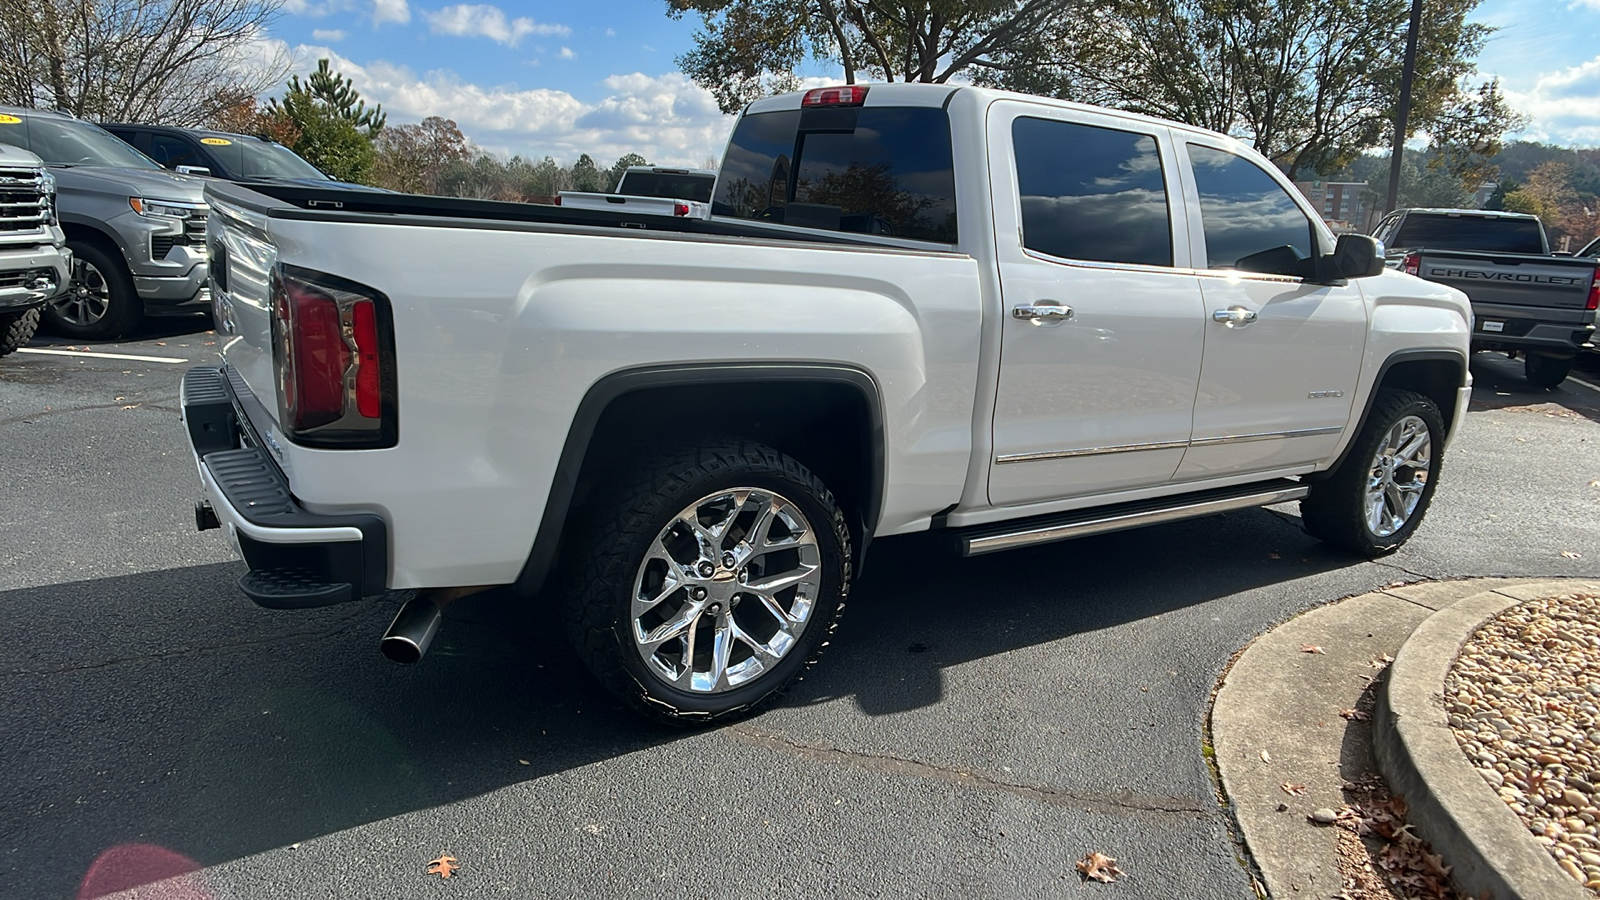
(337, 95)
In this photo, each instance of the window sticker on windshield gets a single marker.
(216, 142)
(9, 120)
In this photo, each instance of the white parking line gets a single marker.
(1592, 387)
(154, 359)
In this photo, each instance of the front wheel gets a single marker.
(1375, 500)
(709, 581)
(1546, 371)
(100, 303)
(16, 329)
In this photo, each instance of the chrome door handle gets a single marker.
(1234, 316)
(1041, 312)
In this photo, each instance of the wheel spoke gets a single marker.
(776, 583)
(1408, 454)
(721, 652)
(673, 628)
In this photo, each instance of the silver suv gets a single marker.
(34, 265)
(136, 231)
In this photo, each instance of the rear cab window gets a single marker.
(884, 170)
(1489, 234)
(673, 185)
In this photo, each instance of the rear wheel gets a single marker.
(1377, 497)
(17, 328)
(100, 302)
(1546, 371)
(709, 583)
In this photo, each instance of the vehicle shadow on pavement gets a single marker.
(919, 608)
(162, 716)
(1498, 383)
(159, 722)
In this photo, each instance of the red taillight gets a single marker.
(680, 209)
(364, 327)
(1594, 292)
(558, 199)
(1412, 264)
(849, 95)
(329, 351)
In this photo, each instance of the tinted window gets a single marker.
(173, 151)
(1490, 234)
(666, 184)
(1250, 222)
(874, 170)
(69, 142)
(262, 159)
(1091, 193)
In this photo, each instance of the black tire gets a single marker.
(606, 552)
(1546, 371)
(100, 303)
(1336, 510)
(16, 329)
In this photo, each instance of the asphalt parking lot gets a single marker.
(976, 727)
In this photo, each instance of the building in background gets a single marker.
(1345, 205)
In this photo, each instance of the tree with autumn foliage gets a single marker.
(1311, 84)
(1569, 215)
(750, 48)
(413, 159)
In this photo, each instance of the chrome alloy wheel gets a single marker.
(725, 590)
(87, 298)
(1398, 475)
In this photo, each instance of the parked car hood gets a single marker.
(155, 184)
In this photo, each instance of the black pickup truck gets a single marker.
(1524, 299)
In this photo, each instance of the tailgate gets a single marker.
(242, 257)
(1539, 282)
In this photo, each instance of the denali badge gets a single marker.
(1324, 395)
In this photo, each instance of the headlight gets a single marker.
(171, 209)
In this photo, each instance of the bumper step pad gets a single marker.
(291, 588)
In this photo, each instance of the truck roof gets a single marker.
(197, 132)
(1478, 213)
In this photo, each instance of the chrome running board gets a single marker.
(1082, 523)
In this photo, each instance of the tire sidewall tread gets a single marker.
(1334, 511)
(619, 521)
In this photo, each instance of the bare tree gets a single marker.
(177, 62)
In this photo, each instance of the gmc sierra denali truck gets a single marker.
(34, 262)
(920, 307)
(1525, 300)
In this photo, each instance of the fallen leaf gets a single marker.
(1099, 866)
(1355, 715)
(1266, 757)
(1273, 556)
(1570, 555)
(1595, 483)
(131, 406)
(1311, 648)
(523, 761)
(443, 866)
(1293, 790)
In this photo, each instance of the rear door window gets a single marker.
(1250, 221)
(872, 170)
(172, 152)
(1091, 193)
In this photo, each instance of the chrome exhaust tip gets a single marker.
(413, 629)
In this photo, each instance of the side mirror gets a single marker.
(193, 170)
(1355, 256)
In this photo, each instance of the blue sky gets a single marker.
(561, 79)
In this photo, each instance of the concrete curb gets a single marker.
(1490, 851)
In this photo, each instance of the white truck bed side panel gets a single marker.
(494, 360)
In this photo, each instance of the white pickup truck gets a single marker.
(917, 307)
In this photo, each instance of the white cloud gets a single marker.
(330, 35)
(566, 53)
(1564, 106)
(483, 20)
(398, 11)
(612, 32)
